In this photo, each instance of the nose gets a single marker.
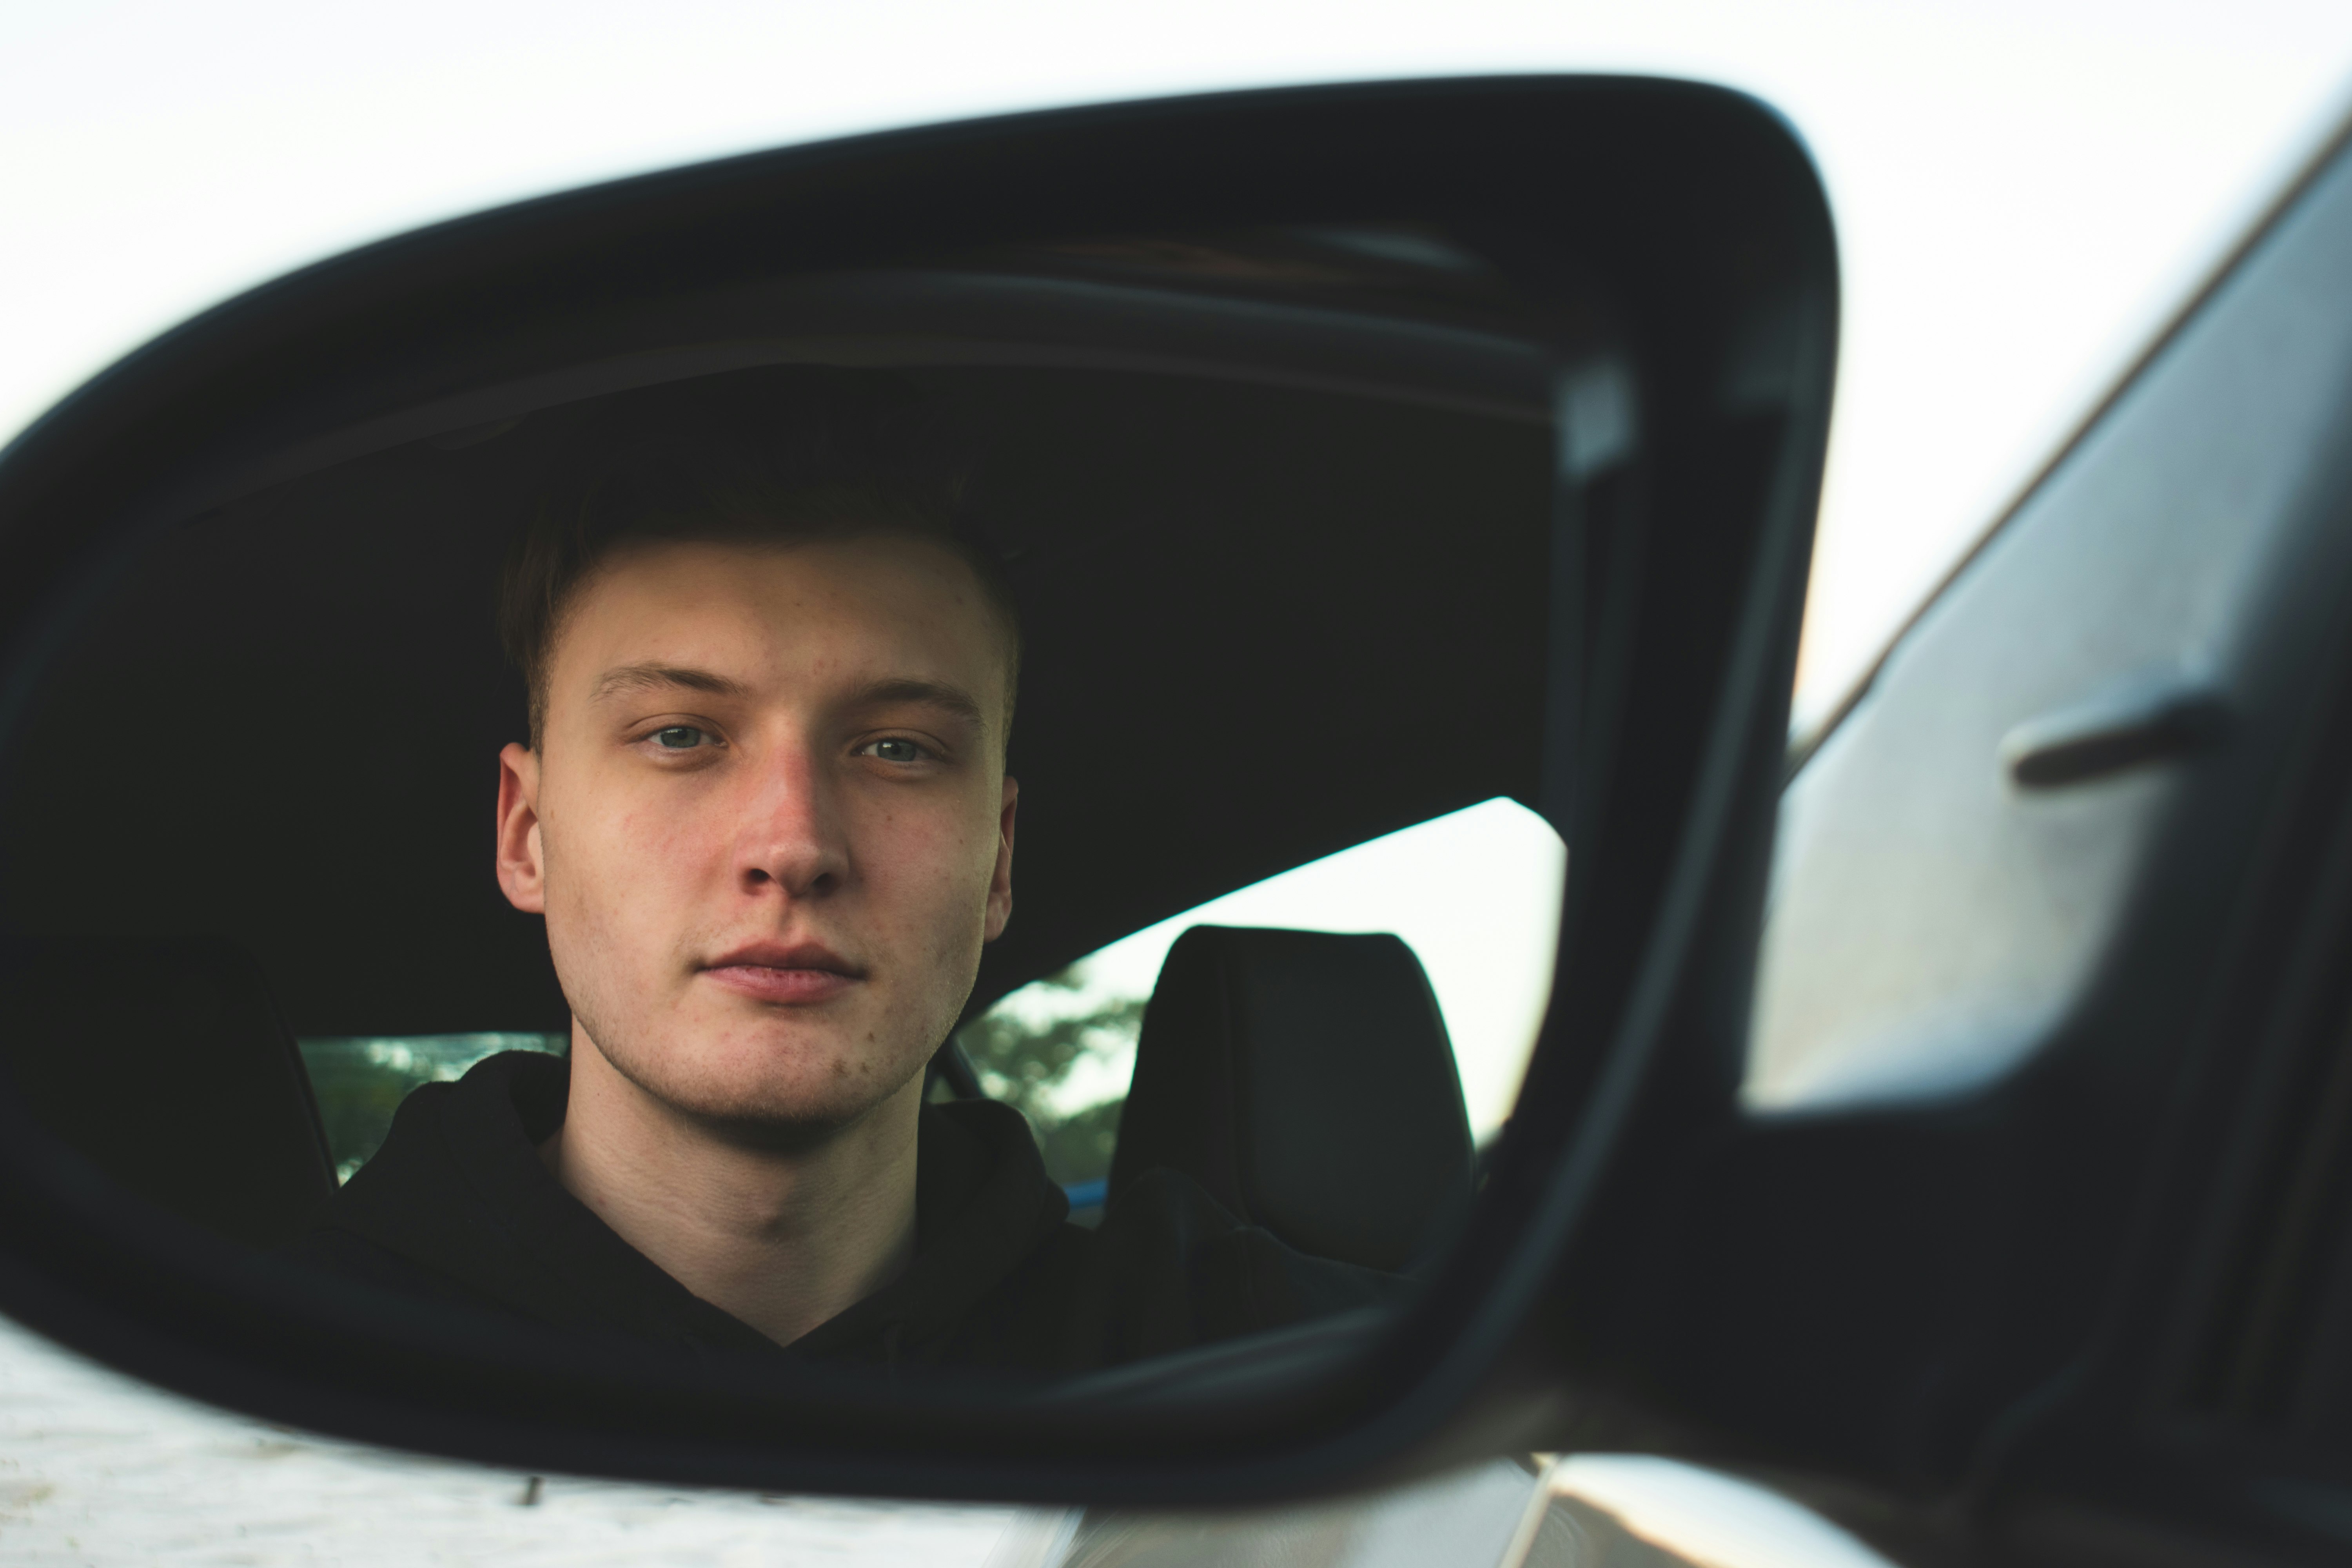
(792, 836)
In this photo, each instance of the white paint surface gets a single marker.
(1709, 1520)
(98, 1469)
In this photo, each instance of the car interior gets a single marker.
(1275, 507)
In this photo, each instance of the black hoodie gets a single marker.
(457, 1205)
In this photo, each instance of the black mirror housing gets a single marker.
(1673, 248)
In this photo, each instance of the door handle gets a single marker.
(2158, 719)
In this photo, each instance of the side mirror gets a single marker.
(1638, 278)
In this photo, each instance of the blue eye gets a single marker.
(897, 751)
(678, 737)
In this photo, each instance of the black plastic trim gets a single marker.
(1692, 211)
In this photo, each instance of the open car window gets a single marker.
(1474, 894)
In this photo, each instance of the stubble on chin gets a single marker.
(770, 1080)
(763, 1074)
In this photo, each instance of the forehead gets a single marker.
(875, 606)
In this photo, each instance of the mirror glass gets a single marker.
(1474, 894)
(982, 816)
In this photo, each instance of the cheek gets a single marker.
(615, 863)
(938, 860)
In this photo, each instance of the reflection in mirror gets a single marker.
(360, 1082)
(751, 1029)
(1474, 896)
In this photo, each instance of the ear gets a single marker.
(522, 871)
(1000, 882)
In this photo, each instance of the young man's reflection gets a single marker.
(765, 813)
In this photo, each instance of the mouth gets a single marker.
(798, 973)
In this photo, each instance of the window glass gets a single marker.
(361, 1080)
(1475, 894)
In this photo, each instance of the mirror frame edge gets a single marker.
(1459, 1386)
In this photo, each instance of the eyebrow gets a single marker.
(649, 676)
(939, 694)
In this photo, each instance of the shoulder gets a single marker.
(444, 1207)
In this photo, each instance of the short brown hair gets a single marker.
(784, 454)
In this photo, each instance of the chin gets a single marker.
(799, 1093)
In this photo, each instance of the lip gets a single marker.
(799, 972)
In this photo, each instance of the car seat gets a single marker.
(164, 1064)
(1306, 1080)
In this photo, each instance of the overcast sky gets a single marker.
(2023, 190)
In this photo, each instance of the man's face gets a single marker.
(768, 821)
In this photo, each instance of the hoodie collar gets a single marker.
(983, 1204)
(459, 1187)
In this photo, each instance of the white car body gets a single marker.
(2021, 199)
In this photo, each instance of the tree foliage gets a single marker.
(1023, 1062)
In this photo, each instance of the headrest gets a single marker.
(164, 1064)
(1306, 1080)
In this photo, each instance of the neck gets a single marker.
(782, 1238)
